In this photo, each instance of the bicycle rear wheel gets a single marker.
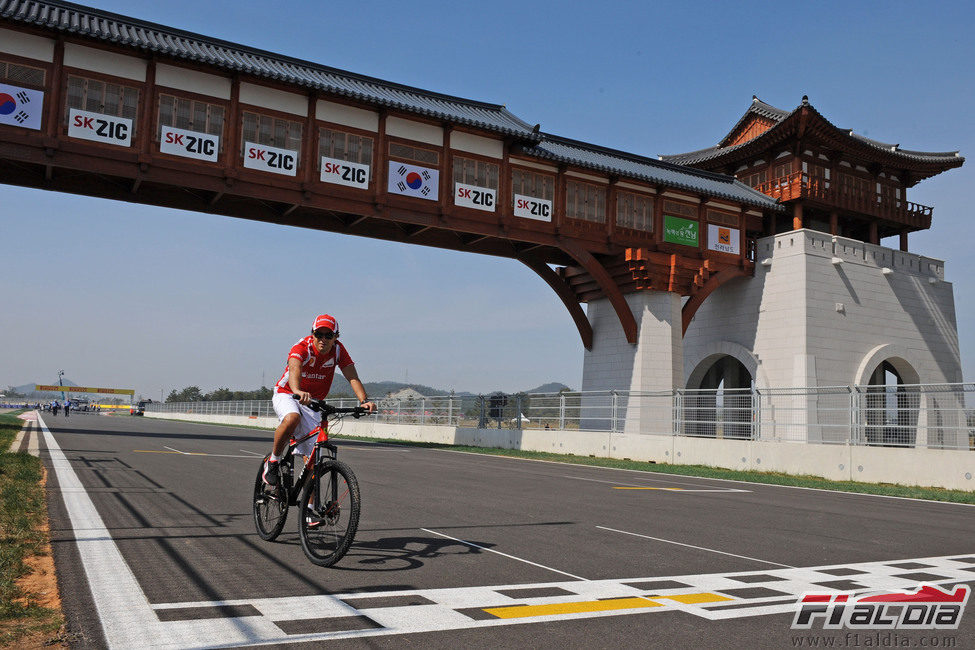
(329, 508)
(270, 507)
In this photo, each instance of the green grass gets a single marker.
(22, 512)
(770, 478)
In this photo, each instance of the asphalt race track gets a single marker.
(154, 545)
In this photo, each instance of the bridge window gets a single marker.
(21, 75)
(103, 97)
(272, 131)
(634, 211)
(755, 179)
(676, 209)
(528, 183)
(476, 172)
(414, 154)
(344, 146)
(723, 218)
(191, 115)
(585, 201)
(781, 171)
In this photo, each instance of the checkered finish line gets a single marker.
(712, 596)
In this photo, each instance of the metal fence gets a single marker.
(925, 415)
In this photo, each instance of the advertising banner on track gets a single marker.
(724, 239)
(478, 198)
(343, 172)
(189, 144)
(21, 106)
(680, 231)
(270, 159)
(528, 207)
(98, 127)
(84, 389)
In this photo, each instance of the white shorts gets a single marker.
(283, 404)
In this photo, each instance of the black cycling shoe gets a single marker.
(272, 474)
(312, 520)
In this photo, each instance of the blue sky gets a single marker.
(124, 295)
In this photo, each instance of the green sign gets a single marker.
(680, 231)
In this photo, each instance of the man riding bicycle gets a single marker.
(308, 375)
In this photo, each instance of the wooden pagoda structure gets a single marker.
(830, 179)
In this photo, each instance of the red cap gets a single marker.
(327, 322)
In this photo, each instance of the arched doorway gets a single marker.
(891, 404)
(719, 403)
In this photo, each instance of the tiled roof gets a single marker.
(758, 107)
(121, 30)
(610, 161)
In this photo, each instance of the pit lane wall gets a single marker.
(945, 468)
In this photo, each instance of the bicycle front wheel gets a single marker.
(270, 507)
(329, 513)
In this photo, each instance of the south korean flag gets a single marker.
(21, 107)
(411, 180)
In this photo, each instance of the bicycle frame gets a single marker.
(323, 450)
(319, 500)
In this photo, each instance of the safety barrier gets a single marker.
(907, 416)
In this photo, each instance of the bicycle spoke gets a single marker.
(270, 508)
(328, 523)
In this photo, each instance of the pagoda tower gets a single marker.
(828, 305)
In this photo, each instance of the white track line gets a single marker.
(122, 607)
(700, 548)
(127, 618)
(541, 566)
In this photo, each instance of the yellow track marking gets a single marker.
(646, 488)
(614, 604)
(572, 608)
(694, 599)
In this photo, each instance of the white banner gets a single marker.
(21, 106)
(270, 159)
(343, 172)
(528, 207)
(189, 144)
(110, 129)
(411, 180)
(724, 239)
(471, 196)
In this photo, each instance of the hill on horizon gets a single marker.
(28, 389)
(378, 389)
(340, 388)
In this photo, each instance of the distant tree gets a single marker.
(188, 394)
(219, 395)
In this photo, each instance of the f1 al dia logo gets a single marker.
(927, 608)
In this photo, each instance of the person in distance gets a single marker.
(308, 375)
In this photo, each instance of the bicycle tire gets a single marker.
(270, 510)
(327, 534)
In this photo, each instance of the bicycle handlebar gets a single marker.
(327, 409)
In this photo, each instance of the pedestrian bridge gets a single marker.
(104, 105)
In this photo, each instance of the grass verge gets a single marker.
(24, 622)
(703, 471)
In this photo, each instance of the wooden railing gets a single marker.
(800, 185)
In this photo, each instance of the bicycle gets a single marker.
(326, 492)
